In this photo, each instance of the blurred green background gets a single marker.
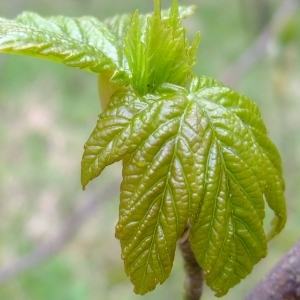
(47, 112)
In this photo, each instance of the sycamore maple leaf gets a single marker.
(196, 156)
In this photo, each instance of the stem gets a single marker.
(194, 274)
(283, 281)
(106, 88)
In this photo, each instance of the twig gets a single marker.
(254, 53)
(283, 281)
(53, 245)
(194, 274)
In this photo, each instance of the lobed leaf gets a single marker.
(83, 43)
(106, 144)
(242, 169)
(266, 161)
(202, 159)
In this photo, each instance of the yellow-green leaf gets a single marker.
(243, 169)
(202, 160)
(159, 188)
(157, 50)
(83, 43)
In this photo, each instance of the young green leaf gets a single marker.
(242, 169)
(107, 143)
(202, 159)
(153, 217)
(120, 24)
(82, 43)
(270, 175)
(158, 51)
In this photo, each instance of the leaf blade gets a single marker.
(228, 241)
(270, 175)
(121, 23)
(73, 42)
(107, 143)
(162, 166)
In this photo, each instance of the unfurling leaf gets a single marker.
(119, 24)
(157, 50)
(242, 169)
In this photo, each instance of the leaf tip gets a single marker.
(278, 224)
(157, 8)
(220, 293)
(84, 182)
(174, 9)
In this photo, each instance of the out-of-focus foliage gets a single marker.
(46, 103)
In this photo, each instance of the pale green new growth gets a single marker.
(60, 39)
(197, 156)
(146, 43)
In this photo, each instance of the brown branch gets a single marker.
(283, 281)
(194, 274)
(255, 52)
(53, 245)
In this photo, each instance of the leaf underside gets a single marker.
(202, 159)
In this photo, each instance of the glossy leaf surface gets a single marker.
(193, 159)
(157, 50)
(82, 43)
(119, 24)
(197, 158)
